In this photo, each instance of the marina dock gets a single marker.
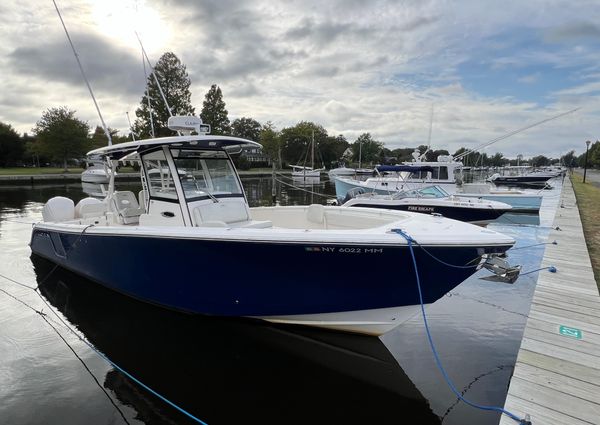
(556, 379)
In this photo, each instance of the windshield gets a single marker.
(206, 173)
(426, 192)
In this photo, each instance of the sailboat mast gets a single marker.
(312, 151)
(359, 153)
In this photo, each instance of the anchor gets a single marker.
(503, 271)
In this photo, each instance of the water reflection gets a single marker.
(96, 190)
(519, 219)
(235, 371)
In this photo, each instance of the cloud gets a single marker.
(572, 31)
(353, 66)
(529, 79)
(53, 61)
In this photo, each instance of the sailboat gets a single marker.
(302, 171)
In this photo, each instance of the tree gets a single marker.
(246, 128)
(366, 149)
(214, 112)
(99, 140)
(60, 135)
(569, 159)
(270, 141)
(12, 148)
(540, 161)
(497, 160)
(295, 143)
(332, 149)
(175, 83)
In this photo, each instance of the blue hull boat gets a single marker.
(189, 242)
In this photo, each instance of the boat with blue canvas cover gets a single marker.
(190, 242)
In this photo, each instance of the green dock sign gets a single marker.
(570, 332)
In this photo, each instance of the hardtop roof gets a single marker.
(198, 141)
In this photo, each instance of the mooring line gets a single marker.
(524, 421)
(91, 346)
(470, 384)
(47, 320)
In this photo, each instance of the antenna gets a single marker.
(83, 74)
(154, 73)
(512, 133)
(130, 127)
(164, 98)
(148, 96)
(429, 138)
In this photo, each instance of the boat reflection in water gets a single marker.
(227, 371)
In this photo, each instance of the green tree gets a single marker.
(540, 161)
(98, 138)
(332, 149)
(569, 159)
(175, 83)
(366, 149)
(12, 148)
(246, 128)
(270, 141)
(60, 135)
(296, 142)
(497, 160)
(214, 112)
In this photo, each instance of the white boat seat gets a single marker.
(125, 205)
(232, 211)
(58, 209)
(90, 207)
(316, 213)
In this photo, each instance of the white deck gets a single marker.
(557, 378)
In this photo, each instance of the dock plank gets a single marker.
(556, 379)
(538, 414)
(556, 400)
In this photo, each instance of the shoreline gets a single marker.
(75, 177)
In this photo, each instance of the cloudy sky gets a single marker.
(485, 67)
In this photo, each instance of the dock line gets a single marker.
(524, 421)
(89, 344)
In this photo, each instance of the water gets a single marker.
(236, 371)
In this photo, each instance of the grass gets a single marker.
(34, 171)
(588, 200)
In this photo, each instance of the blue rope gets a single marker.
(536, 244)
(410, 241)
(400, 232)
(109, 361)
(140, 383)
(551, 269)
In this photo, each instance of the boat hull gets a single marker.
(521, 203)
(320, 284)
(455, 212)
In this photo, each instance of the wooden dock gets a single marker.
(557, 375)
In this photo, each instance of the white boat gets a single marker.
(308, 172)
(96, 171)
(431, 200)
(342, 171)
(190, 242)
(445, 173)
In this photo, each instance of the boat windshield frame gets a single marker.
(214, 169)
(171, 186)
(425, 192)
